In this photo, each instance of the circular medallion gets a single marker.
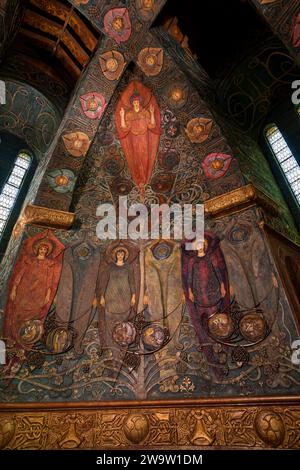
(31, 332)
(58, 340)
(136, 428)
(153, 337)
(220, 325)
(239, 234)
(270, 427)
(169, 160)
(162, 251)
(253, 327)
(124, 334)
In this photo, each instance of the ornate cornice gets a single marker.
(238, 200)
(44, 217)
(256, 422)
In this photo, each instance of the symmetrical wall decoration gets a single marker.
(266, 424)
(165, 346)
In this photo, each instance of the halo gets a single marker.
(119, 248)
(43, 241)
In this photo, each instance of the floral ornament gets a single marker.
(151, 61)
(173, 130)
(76, 143)
(176, 94)
(296, 31)
(93, 105)
(215, 165)
(117, 24)
(199, 129)
(167, 118)
(187, 385)
(61, 180)
(112, 64)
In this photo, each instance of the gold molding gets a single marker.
(44, 217)
(234, 423)
(238, 200)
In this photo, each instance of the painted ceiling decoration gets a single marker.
(117, 24)
(93, 105)
(151, 60)
(112, 64)
(76, 143)
(60, 30)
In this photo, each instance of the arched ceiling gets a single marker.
(57, 33)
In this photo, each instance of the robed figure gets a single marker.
(206, 286)
(118, 292)
(33, 284)
(137, 119)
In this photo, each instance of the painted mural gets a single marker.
(122, 320)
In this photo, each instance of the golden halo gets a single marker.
(45, 242)
(119, 248)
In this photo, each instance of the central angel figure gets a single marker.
(138, 126)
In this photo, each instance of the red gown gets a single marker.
(33, 278)
(140, 139)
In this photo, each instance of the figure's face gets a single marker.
(198, 129)
(92, 104)
(202, 246)
(176, 94)
(77, 144)
(136, 105)
(148, 4)
(112, 65)
(120, 256)
(43, 250)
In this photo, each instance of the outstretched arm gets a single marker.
(152, 117)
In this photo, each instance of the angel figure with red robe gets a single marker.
(32, 286)
(137, 119)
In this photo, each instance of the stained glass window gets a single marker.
(285, 159)
(11, 188)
